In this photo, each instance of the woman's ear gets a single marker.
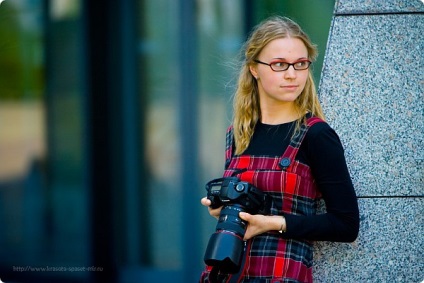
(253, 71)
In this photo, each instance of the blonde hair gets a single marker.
(246, 97)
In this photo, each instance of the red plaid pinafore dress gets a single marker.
(269, 258)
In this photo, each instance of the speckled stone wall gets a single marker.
(372, 91)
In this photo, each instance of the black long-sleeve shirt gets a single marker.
(323, 152)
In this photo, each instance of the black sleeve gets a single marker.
(340, 223)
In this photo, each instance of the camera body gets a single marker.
(226, 245)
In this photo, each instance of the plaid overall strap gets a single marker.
(291, 151)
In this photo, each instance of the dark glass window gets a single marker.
(43, 194)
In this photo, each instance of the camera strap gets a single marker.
(216, 277)
(235, 278)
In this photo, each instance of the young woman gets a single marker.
(281, 144)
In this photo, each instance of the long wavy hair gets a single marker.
(246, 98)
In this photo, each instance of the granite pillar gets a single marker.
(372, 92)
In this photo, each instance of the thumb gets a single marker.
(244, 216)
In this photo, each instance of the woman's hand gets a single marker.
(212, 211)
(258, 224)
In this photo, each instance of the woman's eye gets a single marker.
(280, 64)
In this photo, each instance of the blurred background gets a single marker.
(112, 119)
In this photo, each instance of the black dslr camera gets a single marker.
(225, 247)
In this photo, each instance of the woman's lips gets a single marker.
(289, 87)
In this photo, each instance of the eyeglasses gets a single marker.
(279, 66)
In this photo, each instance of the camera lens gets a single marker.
(225, 247)
(224, 251)
(229, 220)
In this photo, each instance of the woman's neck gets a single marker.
(279, 115)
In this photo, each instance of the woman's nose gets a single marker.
(290, 73)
